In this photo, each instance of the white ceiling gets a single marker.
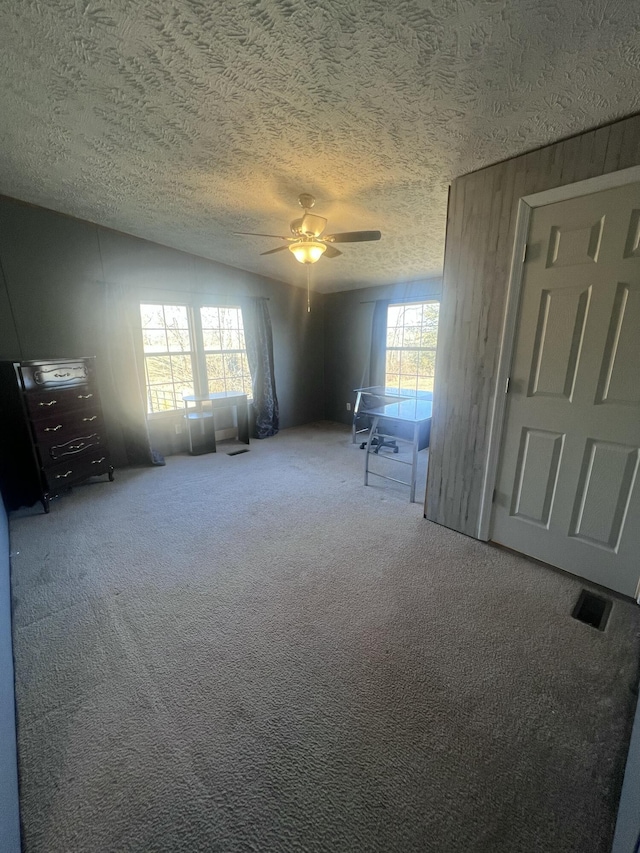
(184, 121)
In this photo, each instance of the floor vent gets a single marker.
(235, 452)
(592, 609)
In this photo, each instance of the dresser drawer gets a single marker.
(67, 425)
(55, 401)
(43, 375)
(70, 471)
(70, 449)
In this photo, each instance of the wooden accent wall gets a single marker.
(480, 233)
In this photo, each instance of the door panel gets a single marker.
(559, 334)
(536, 475)
(617, 383)
(567, 488)
(606, 480)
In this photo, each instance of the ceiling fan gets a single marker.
(307, 244)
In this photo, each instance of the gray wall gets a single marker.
(347, 345)
(480, 233)
(9, 815)
(53, 267)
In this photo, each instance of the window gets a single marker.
(192, 350)
(412, 331)
(168, 356)
(225, 350)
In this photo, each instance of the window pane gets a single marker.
(411, 315)
(158, 369)
(209, 317)
(228, 318)
(409, 362)
(412, 335)
(393, 315)
(211, 339)
(178, 340)
(429, 337)
(152, 316)
(181, 366)
(430, 315)
(215, 367)
(176, 316)
(162, 398)
(425, 383)
(427, 363)
(231, 339)
(394, 336)
(392, 381)
(154, 341)
(216, 386)
(393, 361)
(233, 372)
(408, 382)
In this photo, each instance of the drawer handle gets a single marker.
(90, 419)
(84, 396)
(62, 476)
(77, 446)
(97, 461)
(62, 375)
(50, 403)
(53, 429)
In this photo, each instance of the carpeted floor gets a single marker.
(256, 653)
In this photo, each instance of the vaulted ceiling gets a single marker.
(184, 121)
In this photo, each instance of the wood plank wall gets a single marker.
(480, 234)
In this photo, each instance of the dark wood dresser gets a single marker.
(52, 432)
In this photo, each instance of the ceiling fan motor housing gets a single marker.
(306, 201)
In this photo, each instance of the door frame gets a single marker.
(526, 206)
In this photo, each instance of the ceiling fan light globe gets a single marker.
(307, 252)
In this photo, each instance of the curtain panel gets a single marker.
(378, 355)
(259, 343)
(125, 391)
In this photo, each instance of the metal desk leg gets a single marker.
(372, 431)
(356, 409)
(414, 464)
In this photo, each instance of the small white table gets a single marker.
(202, 436)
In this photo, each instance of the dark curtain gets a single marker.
(259, 341)
(377, 360)
(122, 325)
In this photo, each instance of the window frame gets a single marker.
(203, 368)
(165, 353)
(418, 349)
(197, 352)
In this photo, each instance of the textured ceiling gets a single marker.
(184, 121)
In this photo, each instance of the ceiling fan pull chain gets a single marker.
(308, 288)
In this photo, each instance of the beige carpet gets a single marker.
(256, 653)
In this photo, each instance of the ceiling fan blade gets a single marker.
(271, 251)
(353, 237)
(254, 234)
(312, 224)
(330, 252)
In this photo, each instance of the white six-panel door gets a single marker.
(568, 486)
